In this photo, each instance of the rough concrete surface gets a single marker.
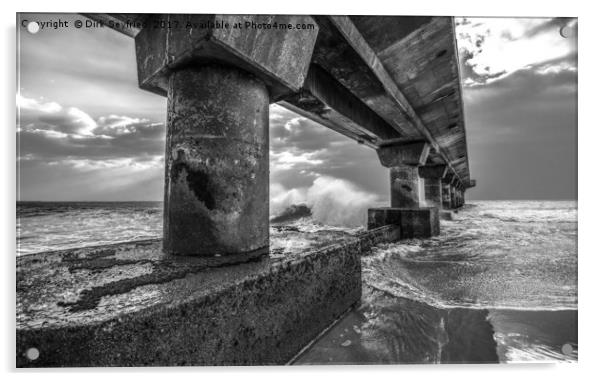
(217, 163)
(131, 305)
(413, 222)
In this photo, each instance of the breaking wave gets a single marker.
(333, 202)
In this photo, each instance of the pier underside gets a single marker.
(215, 290)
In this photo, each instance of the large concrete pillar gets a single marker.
(219, 83)
(216, 162)
(433, 190)
(403, 160)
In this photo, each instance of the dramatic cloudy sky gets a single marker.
(87, 132)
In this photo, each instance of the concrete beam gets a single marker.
(412, 153)
(395, 96)
(279, 57)
(403, 68)
(433, 171)
(324, 100)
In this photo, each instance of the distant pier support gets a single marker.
(446, 194)
(403, 161)
(407, 192)
(219, 84)
(456, 196)
(433, 190)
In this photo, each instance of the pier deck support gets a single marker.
(446, 195)
(219, 84)
(216, 162)
(433, 192)
(407, 192)
(403, 160)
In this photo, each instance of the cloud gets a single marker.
(65, 154)
(491, 49)
(49, 131)
(523, 129)
(36, 115)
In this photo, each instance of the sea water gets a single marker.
(498, 285)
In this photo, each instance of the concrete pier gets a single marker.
(219, 84)
(446, 195)
(433, 191)
(216, 163)
(205, 294)
(403, 161)
(130, 304)
(407, 191)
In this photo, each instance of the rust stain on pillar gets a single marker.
(217, 163)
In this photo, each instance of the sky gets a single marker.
(86, 132)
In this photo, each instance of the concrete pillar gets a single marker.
(219, 85)
(456, 196)
(407, 187)
(433, 191)
(407, 191)
(216, 162)
(446, 198)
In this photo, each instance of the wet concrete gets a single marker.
(130, 304)
(413, 222)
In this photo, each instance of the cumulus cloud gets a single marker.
(77, 157)
(50, 131)
(35, 115)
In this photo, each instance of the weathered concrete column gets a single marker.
(452, 196)
(407, 192)
(219, 83)
(216, 162)
(446, 195)
(407, 188)
(433, 192)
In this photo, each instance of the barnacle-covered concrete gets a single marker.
(129, 304)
